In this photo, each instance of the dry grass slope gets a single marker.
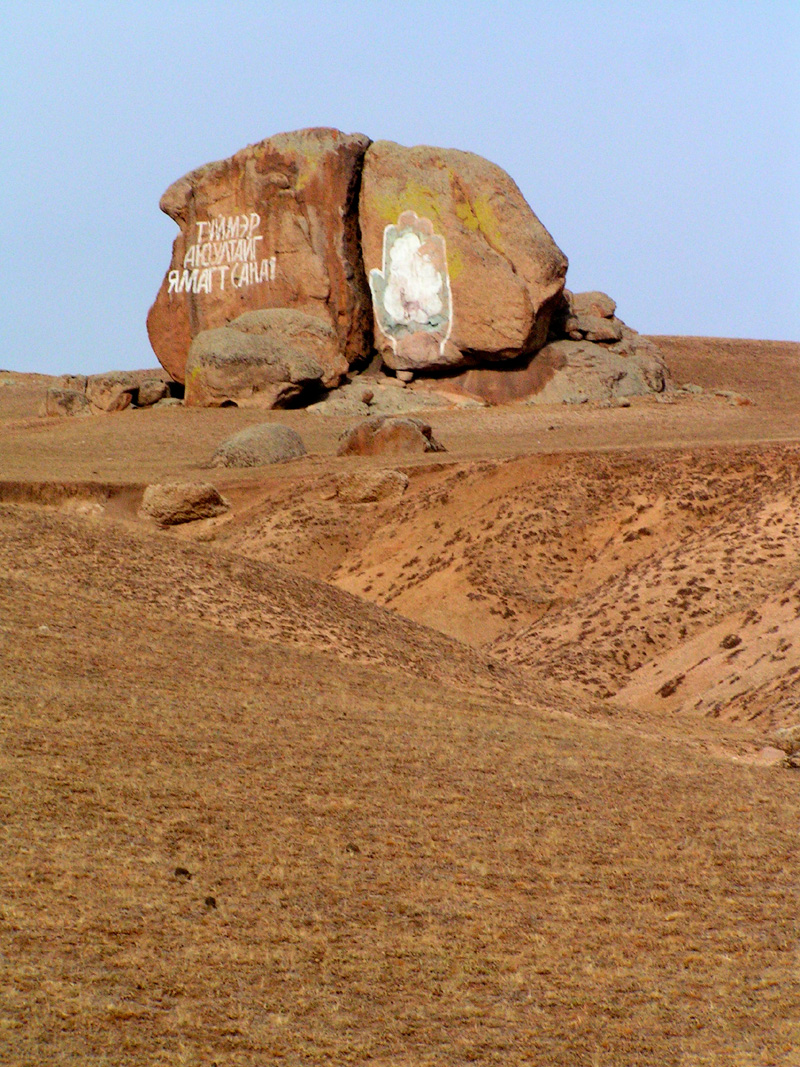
(401, 872)
(469, 776)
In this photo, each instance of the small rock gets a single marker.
(731, 641)
(111, 392)
(385, 435)
(43, 631)
(64, 402)
(183, 873)
(268, 442)
(210, 902)
(389, 397)
(151, 390)
(592, 303)
(367, 487)
(787, 740)
(594, 328)
(405, 375)
(173, 503)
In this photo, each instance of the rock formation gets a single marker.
(101, 394)
(114, 391)
(315, 253)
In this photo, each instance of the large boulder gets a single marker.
(259, 445)
(384, 435)
(173, 503)
(263, 359)
(274, 226)
(460, 267)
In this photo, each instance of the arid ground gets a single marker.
(479, 773)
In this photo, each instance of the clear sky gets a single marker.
(658, 142)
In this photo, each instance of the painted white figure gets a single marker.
(411, 294)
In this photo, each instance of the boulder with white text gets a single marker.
(460, 268)
(274, 226)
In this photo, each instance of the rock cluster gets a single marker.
(316, 253)
(591, 355)
(391, 249)
(101, 394)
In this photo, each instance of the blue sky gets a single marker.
(659, 143)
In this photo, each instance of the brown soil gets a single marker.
(475, 775)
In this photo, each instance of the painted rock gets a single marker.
(460, 268)
(274, 226)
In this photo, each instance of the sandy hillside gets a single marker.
(474, 773)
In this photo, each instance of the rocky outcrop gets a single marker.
(274, 226)
(460, 267)
(259, 445)
(102, 394)
(173, 503)
(388, 436)
(263, 359)
(587, 317)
